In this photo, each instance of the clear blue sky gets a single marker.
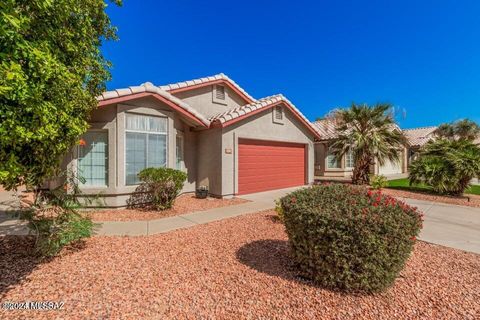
(422, 56)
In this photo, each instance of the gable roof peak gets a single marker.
(205, 81)
(231, 116)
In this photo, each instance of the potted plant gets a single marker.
(201, 192)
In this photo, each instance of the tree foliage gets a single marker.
(51, 70)
(460, 130)
(448, 166)
(372, 135)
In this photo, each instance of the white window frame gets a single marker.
(182, 141)
(327, 162)
(107, 155)
(146, 150)
(348, 154)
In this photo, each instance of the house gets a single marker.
(211, 128)
(417, 138)
(327, 165)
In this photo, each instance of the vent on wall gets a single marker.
(220, 92)
(278, 113)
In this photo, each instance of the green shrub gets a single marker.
(163, 185)
(348, 237)
(447, 166)
(53, 216)
(58, 229)
(378, 182)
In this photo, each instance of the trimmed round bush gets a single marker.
(163, 185)
(348, 237)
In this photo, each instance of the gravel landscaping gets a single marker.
(230, 269)
(469, 200)
(183, 204)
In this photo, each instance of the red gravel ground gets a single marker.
(183, 204)
(470, 200)
(231, 269)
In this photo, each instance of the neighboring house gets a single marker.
(327, 165)
(417, 138)
(211, 128)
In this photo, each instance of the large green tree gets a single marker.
(51, 70)
(371, 134)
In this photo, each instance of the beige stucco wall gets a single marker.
(209, 160)
(112, 119)
(261, 127)
(202, 100)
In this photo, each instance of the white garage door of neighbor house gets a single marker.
(390, 168)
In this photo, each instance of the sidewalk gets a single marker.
(258, 202)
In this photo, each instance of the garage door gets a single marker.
(390, 168)
(266, 165)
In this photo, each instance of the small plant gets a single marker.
(201, 192)
(279, 210)
(53, 216)
(378, 182)
(163, 185)
(348, 237)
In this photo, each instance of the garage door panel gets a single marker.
(269, 165)
(390, 167)
(274, 172)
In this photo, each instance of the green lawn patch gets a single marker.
(404, 184)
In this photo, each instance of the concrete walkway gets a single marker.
(9, 224)
(449, 225)
(258, 202)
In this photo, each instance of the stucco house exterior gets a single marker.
(327, 165)
(211, 128)
(417, 138)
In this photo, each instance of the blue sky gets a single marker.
(421, 56)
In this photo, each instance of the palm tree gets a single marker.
(448, 166)
(371, 133)
(461, 130)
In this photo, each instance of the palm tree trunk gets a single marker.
(361, 172)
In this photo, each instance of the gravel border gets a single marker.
(469, 200)
(236, 268)
(185, 203)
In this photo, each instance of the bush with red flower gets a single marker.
(348, 237)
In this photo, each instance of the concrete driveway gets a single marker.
(449, 225)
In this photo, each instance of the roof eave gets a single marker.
(223, 124)
(173, 105)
